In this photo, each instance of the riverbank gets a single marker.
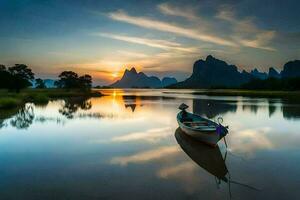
(249, 93)
(11, 99)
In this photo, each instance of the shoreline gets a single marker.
(9, 100)
(218, 92)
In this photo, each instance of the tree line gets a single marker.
(288, 84)
(20, 76)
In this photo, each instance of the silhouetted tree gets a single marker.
(40, 83)
(24, 118)
(72, 105)
(5, 77)
(69, 79)
(21, 76)
(85, 81)
(273, 84)
(2, 68)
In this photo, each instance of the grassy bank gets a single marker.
(249, 93)
(11, 99)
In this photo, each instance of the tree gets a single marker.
(21, 77)
(85, 81)
(69, 79)
(2, 68)
(5, 77)
(40, 83)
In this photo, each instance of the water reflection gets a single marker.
(146, 156)
(76, 145)
(24, 117)
(206, 157)
(291, 109)
(71, 106)
(211, 108)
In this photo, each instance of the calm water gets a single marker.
(127, 146)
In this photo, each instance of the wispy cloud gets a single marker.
(175, 170)
(245, 31)
(162, 44)
(168, 27)
(133, 54)
(146, 156)
(151, 135)
(187, 13)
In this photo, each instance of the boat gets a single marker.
(210, 159)
(200, 128)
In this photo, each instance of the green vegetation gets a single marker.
(286, 84)
(14, 80)
(249, 93)
(40, 96)
(9, 102)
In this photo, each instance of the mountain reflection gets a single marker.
(119, 105)
(130, 102)
(291, 109)
(211, 108)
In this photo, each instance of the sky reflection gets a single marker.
(132, 134)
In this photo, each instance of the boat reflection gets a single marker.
(206, 157)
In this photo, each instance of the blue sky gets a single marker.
(104, 37)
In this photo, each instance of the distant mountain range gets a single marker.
(132, 79)
(212, 72)
(48, 82)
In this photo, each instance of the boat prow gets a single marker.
(200, 128)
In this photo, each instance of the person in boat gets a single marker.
(184, 115)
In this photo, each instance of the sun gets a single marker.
(114, 75)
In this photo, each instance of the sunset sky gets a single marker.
(161, 38)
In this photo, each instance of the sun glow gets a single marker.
(115, 75)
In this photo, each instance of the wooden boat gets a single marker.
(199, 127)
(210, 159)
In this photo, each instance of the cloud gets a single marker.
(133, 54)
(250, 140)
(151, 135)
(260, 40)
(176, 170)
(162, 44)
(168, 27)
(245, 31)
(168, 9)
(146, 156)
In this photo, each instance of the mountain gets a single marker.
(257, 74)
(213, 72)
(48, 82)
(131, 78)
(291, 69)
(168, 81)
(273, 73)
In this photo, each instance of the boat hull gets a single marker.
(210, 137)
